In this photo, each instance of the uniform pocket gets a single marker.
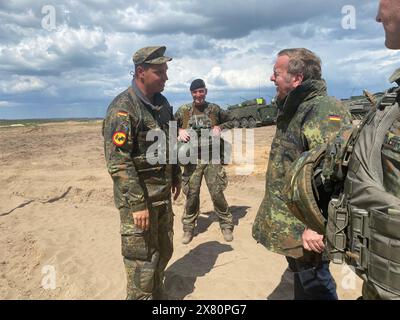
(135, 243)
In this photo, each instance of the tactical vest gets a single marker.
(197, 122)
(363, 227)
(155, 178)
(206, 120)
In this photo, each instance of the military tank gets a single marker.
(359, 106)
(252, 113)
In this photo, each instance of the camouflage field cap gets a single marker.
(150, 55)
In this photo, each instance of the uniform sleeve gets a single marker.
(119, 136)
(323, 121)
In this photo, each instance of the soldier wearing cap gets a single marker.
(203, 114)
(142, 191)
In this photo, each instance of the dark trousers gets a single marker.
(312, 280)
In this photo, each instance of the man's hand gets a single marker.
(176, 190)
(313, 241)
(183, 135)
(141, 219)
(216, 131)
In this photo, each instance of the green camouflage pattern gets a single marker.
(147, 253)
(188, 116)
(307, 118)
(150, 55)
(139, 186)
(216, 181)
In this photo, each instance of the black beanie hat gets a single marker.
(197, 84)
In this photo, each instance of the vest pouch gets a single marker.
(386, 223)
(384, 247)
(338, 219)
(384, 273)
(359, 235)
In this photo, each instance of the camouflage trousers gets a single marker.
(217, 182)
(147, 253)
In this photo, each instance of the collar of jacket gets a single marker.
(144, 99)
(306, 91)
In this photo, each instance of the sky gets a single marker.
(66, 59)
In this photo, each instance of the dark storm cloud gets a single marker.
(86, 60)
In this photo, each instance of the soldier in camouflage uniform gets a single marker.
(201, 113)
(306, 118)
(142, 191)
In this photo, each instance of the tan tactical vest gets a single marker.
(363, 226)
(199, 120)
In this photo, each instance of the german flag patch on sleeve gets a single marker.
(119, 138)
(122, 113)
(334, 117)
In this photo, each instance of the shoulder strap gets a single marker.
(211, 115)
(389, 99)
(340, 150)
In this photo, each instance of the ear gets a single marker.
(297, 79)
(139, 71)
(205, 91)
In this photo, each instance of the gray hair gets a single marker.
(303, 61)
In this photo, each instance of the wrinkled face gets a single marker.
(389, 16)
(284, 81)
(199, 96)
(154, 77)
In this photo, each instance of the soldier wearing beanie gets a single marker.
(205, 115)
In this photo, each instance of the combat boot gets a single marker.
(227, 233)
(187, 236)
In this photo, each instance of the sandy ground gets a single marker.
(59, 230)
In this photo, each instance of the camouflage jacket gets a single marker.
(306, 118)
(211, 114)
(137, 183)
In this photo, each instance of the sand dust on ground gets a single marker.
(59, 229)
